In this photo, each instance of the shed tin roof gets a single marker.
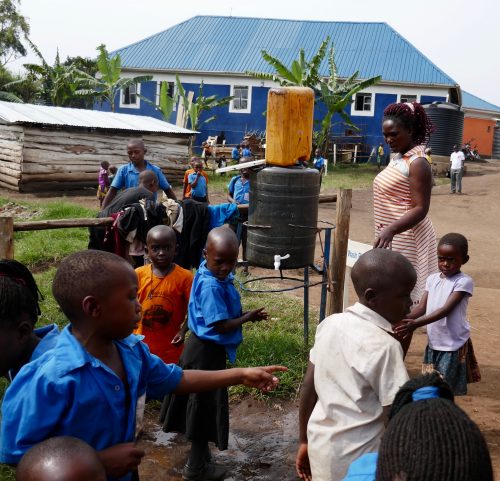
(13, 113)
(232, 45)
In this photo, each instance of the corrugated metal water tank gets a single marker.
(448, 120)
(282, 216)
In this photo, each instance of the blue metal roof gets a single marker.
(232, 45)
(470, 101)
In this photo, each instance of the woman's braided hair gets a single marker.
(432, 439)
(413, 117)
(18, 293)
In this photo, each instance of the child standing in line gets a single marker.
(103, 181)
(198, 183)
(215, 319)
(63, 458)
(163, 292)
(356, 368)
(443, 309)
(186, 189)
(93, 383)
(20, 342)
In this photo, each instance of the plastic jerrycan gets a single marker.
(289, 126)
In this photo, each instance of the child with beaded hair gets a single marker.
(423, 422)
(443, 309)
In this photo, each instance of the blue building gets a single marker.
(220, 50)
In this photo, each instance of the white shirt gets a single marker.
(358, 369)
(457, 160)
(449, 333)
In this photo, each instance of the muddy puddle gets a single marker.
(262, 444)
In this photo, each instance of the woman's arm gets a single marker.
(420, 192)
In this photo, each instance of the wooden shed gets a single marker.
(55, 148)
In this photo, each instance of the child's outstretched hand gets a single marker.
(257, 315)
(405, 328)
(262, 377)
(120, 459)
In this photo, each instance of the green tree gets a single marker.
(166, 102)
(59, 83)
(13, 30)
(108, 82)
(334, 93)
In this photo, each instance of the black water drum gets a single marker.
(448, 120)
(283, 216)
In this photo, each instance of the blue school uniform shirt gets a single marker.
(48, 337)
(318, 163)
(211, 301)
(363, 469)
(239, 189)
(235, 154)
(200, 189)
(128, 176)
(69, 392)
(221, 214)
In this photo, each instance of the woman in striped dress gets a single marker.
(402, 192)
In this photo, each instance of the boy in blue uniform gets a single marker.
(93, 384)
(215, 319)
(19, 309)
(127, 175)
(198, 183)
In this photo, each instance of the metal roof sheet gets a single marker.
(470, 101)
(233, 45)
(13, 113)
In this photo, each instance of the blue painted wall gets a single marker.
(235, 125)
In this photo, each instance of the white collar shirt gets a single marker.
(358, 369)
(457, 160)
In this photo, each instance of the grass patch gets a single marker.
(278, 340)
(37, 248)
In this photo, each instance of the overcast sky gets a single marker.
(462, 37)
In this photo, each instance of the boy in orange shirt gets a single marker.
(163, 293)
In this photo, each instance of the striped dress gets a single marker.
(391, 200)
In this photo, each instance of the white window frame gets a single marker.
(363, 113)
(157, 93)
(137, 104)
(417, 99)
(249, 100)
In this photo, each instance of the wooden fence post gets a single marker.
(339, 252)
(6, 238)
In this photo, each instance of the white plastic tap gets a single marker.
(278, 259)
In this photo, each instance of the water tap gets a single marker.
(278, 259)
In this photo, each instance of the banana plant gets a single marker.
(108, 81)
(166, 103)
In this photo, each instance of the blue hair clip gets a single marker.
(426, 392)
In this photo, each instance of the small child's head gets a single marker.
(97, 292)
(317, 153)
(19, 311)
(221, 252)
(452, 253)
(160, 246)
(431, 439)
(136, 151)
(383, 280)
(193, 161)
(62, 458)
(105, 164)
(198, 165)
(149, 180)
(113, 169)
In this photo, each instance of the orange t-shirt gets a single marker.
(186, 181)
(164, 302)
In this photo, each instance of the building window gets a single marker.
(363, 104)
(408, 98)
(242, 99)
(172, 90)
(129, 96)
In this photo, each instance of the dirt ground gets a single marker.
(263, 437)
